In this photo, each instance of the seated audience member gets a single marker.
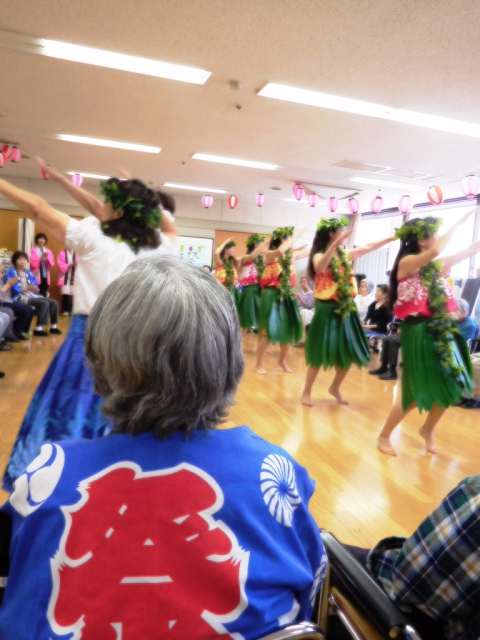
(378, 314)
(6, 322)
(388, 358)
(436, 570)
(465, 323)
(153, 527)
(41, 261)
(67, 265)
(23, 314)
(26, 291)
(305, 303)
(365, 297)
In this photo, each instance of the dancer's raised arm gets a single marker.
(358, 252)
(37, 209)
(216, 256)
(412, 263)
(322, 260)
(450, 261)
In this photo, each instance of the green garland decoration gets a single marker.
(331, 224)
(441, 323)
(341, 268)
(285, 285)
(255, 239)
(259, 263)
(229, 272)
(422, 229)
(134, 210)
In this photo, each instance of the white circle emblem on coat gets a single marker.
(279, 488)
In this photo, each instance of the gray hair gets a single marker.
(369, 284)
(463, 305)
(164, 344)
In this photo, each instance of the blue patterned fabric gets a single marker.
(64, 406)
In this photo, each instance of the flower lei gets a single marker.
(285, 285)
(341, 268)
(441, 323)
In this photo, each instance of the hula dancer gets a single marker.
(253, 266)
(130, 224)
(335, 338)
(437, 368)
(225, 265)
(279, 319)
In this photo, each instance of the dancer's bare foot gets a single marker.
(337, 395)
(284, 367)
(385, 446)
(429, 443)
(306, 400)
(261, 372)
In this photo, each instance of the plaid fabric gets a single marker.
(437, 569)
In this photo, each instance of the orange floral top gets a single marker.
(326, 288)
(221, 276)
(272, 273)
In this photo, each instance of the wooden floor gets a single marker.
(361, 495)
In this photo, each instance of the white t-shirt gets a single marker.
(101, 259)
(363, 302)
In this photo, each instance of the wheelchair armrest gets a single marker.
(297, 631)
(362, 587)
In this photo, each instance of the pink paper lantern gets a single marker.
(376, 204)
(471, 186)
(405, 204)
(298, 191)
(3, 159)
(435, 195)
(15, 155)
(45, 175)
(232, 202)
(260, 200)
(6, 150)
(332, 204)
(76, 179)
(353, 205)
(207, 201)
(313, 199)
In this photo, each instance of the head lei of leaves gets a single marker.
(331, 224)
(254, 239)
(420, 230)
(138, 212)
(282, 233)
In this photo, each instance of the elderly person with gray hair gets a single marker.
(365, 297)
(465, 322)
(169, 527)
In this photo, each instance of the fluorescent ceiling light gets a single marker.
(109, 143)
(190, 188)
(95, 176)
(122, 62)
(235, 161)
(387, 183)
(349, 105)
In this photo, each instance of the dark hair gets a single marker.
(165, 372)
(385, 289)
(319, 245)
(409, 246)
(222, 252)
(304, 278)
(41, 235)
(275, 243)
(17, 255)
(126, 226)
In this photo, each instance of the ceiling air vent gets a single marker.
(406, 173)
(361, 166)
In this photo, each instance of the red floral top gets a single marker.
(412, 297)
(326, 288)
(221, 276)
(248, 274)
(272, 273)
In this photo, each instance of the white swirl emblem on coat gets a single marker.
(279, 488)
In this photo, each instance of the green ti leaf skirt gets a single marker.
(280, 320)
(334, 342)
(424, 380)
(249, 306)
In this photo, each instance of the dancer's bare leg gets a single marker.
(284, 351)
(429, 425)
(334, 388)
(395, 416)
(306, 398)
(261, 351)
